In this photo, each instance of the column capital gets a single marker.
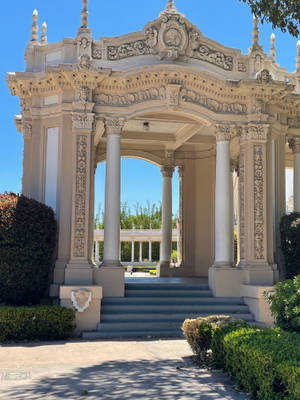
(294, 144)
(27, 129)
(254, 132)
(82, 121)
(167, 171)
(114, 126)
(180, 169)
(224, 132)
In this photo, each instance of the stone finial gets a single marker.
(170, 8)
(84, 14)
(273, 49)
(298, 57)
(255, 32)
(44, 39)
(34, 27)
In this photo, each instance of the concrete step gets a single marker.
(168, 293)
(172, 300)
(154, 317)
(132, 334)
(172, 308)
(166, 286)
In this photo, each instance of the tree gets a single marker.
(282, 14)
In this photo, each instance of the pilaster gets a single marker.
(294, 144)
(79, 270)
(253, 205)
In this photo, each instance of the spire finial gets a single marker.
(44, 39)
(255, 32)
(34, 26)
(298, 57)
(273, 49)
(170, 8)
(84, 14)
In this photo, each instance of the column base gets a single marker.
(89, 318)
(79, 274)
(59, 271)
(111, 263)
(111, 278)
(163, 269)
(258, 274)
(225, 281)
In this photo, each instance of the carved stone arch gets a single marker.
(139, 154)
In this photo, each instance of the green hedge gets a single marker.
(36, 323)
(290, 243)
(27, 243)
(266, 362)
(285, 304)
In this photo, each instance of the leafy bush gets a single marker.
(27, 242)
(199, 333)
(285, 304)
(36, 323)
(290, 243)
(266, 362)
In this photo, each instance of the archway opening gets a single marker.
(141, 212)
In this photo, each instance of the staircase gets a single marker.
(159, 309)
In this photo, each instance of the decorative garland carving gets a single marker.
(258, 202)
(96, 52)
(242, 67)
(212, 104)
(80, 196)
(131, 98)
(82, 121)
(125, 50)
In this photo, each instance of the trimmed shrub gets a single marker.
(266, 362)
(27, 242)
(199, 333)
(36, 323)
(285, 304)
(290, 243)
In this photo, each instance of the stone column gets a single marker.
(166, 244)
(97, 252)
(224, 256)
(295, 146)
(112, 194)
(180, 251)
(79, 269)
(141, 252)
(111, 273)
(150, 251)
(132, 251)
(254, 215)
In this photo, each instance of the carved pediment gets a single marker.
(170, 37)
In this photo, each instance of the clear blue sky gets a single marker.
(226, 21)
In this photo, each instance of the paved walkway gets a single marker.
(119, 370)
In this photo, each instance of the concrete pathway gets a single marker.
(119, 370)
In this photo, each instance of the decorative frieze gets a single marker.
(242, 67)
(80, 233)
(217, 106)
(96, 52)
(131, 98)
(259, 223)
(167, 171)
(204, 53)
(125, 50)
(82, 121)
(264, 77)
(172, 95)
